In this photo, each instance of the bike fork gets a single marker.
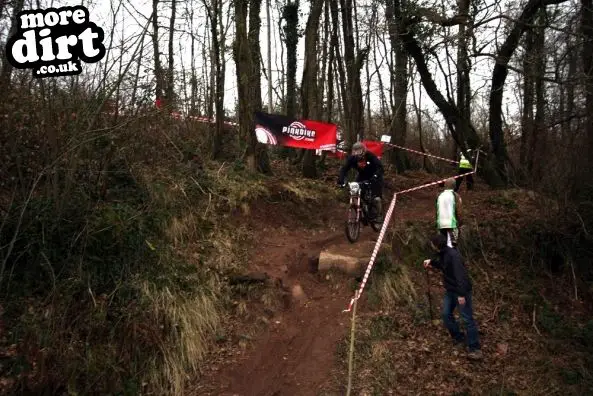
(356, 201)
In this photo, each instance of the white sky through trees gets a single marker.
(133, 14)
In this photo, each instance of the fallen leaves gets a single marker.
(502, 349)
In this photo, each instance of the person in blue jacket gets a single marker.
(458, 293)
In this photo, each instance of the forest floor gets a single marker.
(286, 346)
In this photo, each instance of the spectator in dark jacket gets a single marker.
(458, 293)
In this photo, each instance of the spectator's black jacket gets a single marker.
(373, 166)
(455, 277)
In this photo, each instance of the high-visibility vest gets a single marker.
(446, 217)
(464, 163)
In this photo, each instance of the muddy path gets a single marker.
(297, 351)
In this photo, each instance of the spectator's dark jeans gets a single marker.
(466, 311)
(470, 179)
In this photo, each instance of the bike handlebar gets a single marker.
(362, 183)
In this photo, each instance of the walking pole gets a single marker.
(428, 293)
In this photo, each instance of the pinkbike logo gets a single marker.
(298, 131)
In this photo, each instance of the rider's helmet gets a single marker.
(358, 149)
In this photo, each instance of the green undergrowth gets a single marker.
(124, 294)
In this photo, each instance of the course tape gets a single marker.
(384, 228)
(434, 183)
(375, 251)
(421, 153)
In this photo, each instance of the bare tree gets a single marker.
(354, 62)
(290, 13)
(499, 74)
(394, 15)
(6, 66)
(171, 66)
(214, 12)
(158, 69)
(587, 31)
(247, 56)
(464, 67)
(309, 87)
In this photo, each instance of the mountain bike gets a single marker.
(361, 211)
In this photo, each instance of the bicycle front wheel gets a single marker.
(353, 225)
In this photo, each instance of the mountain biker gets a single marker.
(369, 168)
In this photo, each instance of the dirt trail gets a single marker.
(296, 353)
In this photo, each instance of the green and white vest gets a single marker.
(446, 210)
(464, 163)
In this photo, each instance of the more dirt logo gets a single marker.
(299, 131)
(52, 42)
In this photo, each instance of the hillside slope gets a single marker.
(301, 348)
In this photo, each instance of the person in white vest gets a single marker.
(465, 167)
(448, 216)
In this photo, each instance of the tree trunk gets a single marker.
(290, 14)
(138, 68)
(463, 69)
(343, 99)
(212, 80)
(383, 101)
(158, 69)
(418, 111)
(291, 34)
(244, 69)
(354, 65)
(368, 100)
(214, 15)
(398, 128)
(309, 86)
(259, 151)
(330, 73)
(538, 137)
(324, 60)
(450, 112)
(6, 66)
(171, 65)
(194, 78)
(270, 109)
(527, 118)
(499, 75)
(570, 92)
(587, 31)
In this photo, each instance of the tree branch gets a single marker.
(436, 18)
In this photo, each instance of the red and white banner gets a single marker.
(275, 129)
